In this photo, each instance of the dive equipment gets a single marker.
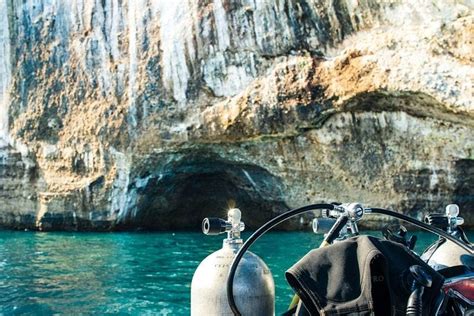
(352, 213)
(254, 287)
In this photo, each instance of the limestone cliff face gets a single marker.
(120, 114)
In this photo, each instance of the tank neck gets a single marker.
(234, 244)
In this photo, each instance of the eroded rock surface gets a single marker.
(154, 114)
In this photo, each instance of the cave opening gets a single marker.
(183, 193)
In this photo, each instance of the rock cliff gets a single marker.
(119, 114)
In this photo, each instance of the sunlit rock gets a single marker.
(153, 114)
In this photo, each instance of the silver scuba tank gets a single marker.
(447, 254)
(254, 289)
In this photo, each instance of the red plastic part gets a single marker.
(464, 287)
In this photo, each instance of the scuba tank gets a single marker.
(443, 253)
(254, 289)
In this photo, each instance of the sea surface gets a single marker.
(126, 273)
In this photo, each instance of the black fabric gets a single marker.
(363, 275)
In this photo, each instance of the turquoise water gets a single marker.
(127, 273)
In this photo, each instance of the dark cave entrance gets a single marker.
(184, 193)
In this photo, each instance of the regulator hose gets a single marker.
(424, 226)
(259, 232)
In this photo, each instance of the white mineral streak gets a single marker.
(434, 179)
(132, 195)
(222, 28)
(90, 45)
(5, 70)
(132, 50)
(176, 44)
(255, 186)
(113, 18)
(105, 78)
(118, 197)
(41, 212)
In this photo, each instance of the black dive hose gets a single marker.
(259, 232)
(423, 226)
